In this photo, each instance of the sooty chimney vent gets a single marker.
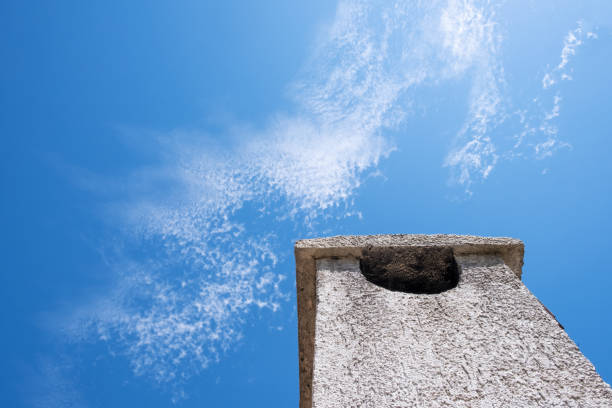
(411, 269)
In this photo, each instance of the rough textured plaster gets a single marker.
(487, 342)
(307, 251)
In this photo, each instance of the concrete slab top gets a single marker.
(404, 240)
(510, 249)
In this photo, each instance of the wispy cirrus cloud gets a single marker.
(572, 41)
(492, 111)
(540, 133)
(197, 255)
(471, 33)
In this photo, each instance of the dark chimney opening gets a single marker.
(422, 270)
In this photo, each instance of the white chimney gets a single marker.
(431, 321)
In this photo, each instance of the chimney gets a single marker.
(431, 320)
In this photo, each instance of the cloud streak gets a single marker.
(572, 41)
(199, 258)
(471, 34)
(540, 133)
(480, 147)
(197, 255)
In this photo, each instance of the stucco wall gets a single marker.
(488, 342)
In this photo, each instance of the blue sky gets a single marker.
(160, 159)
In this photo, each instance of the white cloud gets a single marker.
(470, 35)
(196, 262)
(479, 148)
(572, 41)
(540, 132)
(548, 81)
